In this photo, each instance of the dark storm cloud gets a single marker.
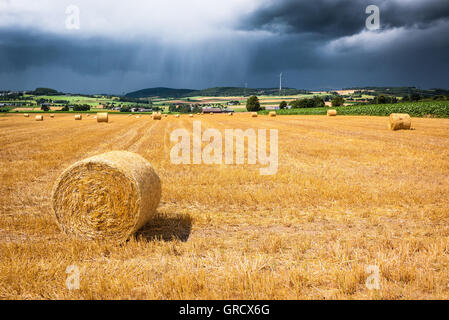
(337, 18)
(316, 44)
(21, 49)
(87, 64)
(325, 43)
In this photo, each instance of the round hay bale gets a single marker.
(165, 115)
(331, 113)
(78, 117)
(26, 115)
(52, 116)
(39, 118)
(272, 113)
(177, 116)
(108, 196)
(400, 121)
(102, 117)
(230, 114)
(157, 116)
(191, 115)
(254, 114)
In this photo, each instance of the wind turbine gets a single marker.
(280, 83)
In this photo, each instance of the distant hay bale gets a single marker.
(26, 115)
(78, 117)
(52, 116)
(177, 116)
(272, 113)
(157, 116)
(191, 115)
(254, 114)
(108, 196)
(230, 114)
(39, 118)
(137, 117)
(400, 121)
(102, 117)
(165, 115)
(331, 113)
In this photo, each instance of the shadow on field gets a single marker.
(167, 228)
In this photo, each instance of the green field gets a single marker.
(438, 109)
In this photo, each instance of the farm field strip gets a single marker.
(348, 193)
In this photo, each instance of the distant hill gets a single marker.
(213, 92)
(160, 92)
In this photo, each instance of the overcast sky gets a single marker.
(121, 46)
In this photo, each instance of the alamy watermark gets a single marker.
(212, 153)
(373, 21)
(73, 280)
(373, 281)
(72, 21)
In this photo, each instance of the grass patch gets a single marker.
(438, 109)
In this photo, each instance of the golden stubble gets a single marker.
(349, 193)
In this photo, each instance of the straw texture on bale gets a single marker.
(78, 117)
(102, 117)
(254, 114)
(108, 196)
(331, 113)
(157, 116)
(272, 114)
(400, 121)
(26, 115)
(39, 118)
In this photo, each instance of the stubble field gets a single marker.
(348, 194)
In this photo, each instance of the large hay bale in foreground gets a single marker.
(331, 113)
(102, 117)
(400, 121)
(39, 118)
(108, 196)
(254, 114)
(26, 115)
(272, 113)
(78, 117)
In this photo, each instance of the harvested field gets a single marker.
(349, 193)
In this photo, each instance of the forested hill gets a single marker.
(215, 92)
